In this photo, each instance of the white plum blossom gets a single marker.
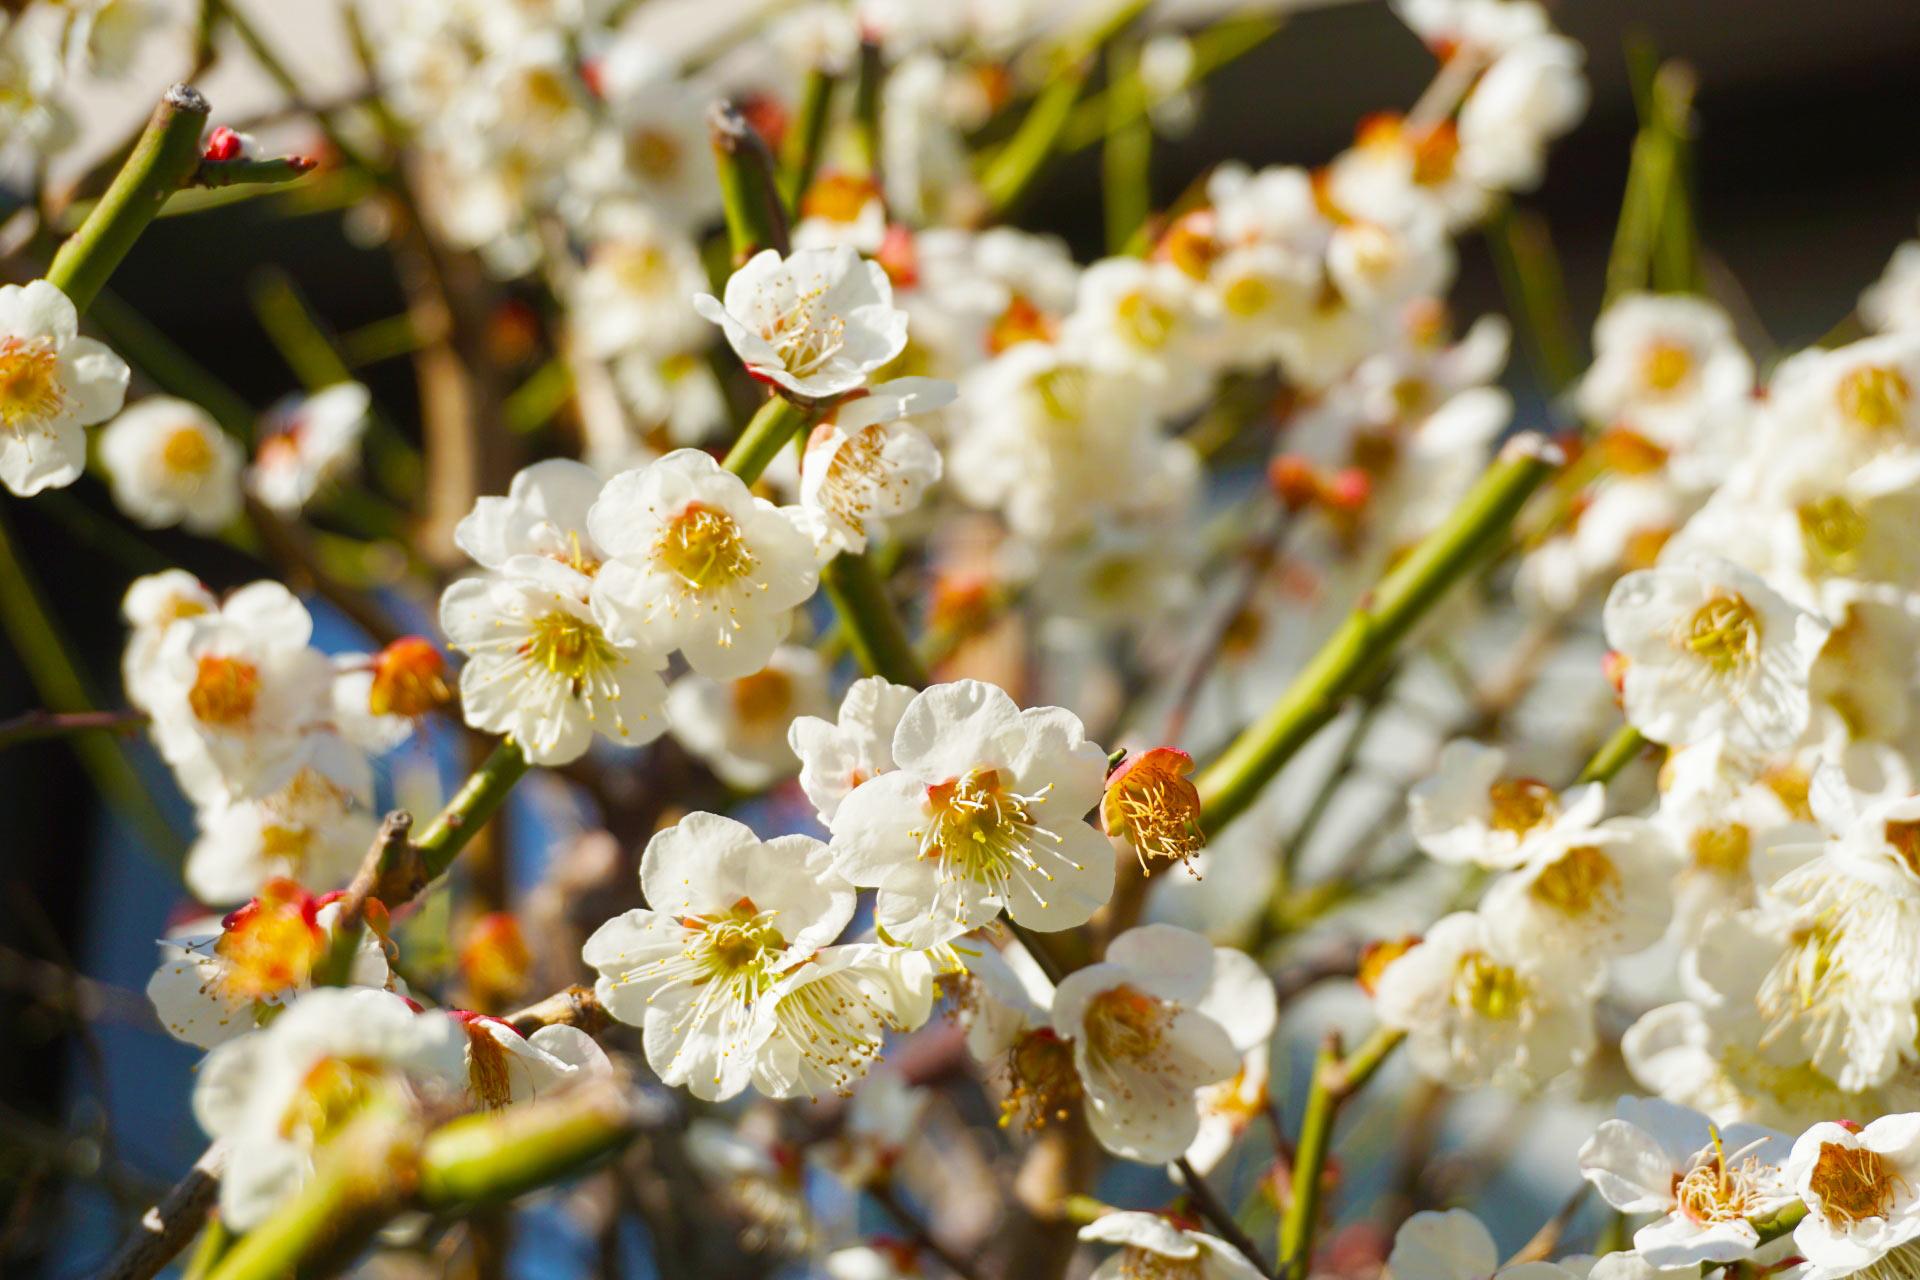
(170, 463)
(698, 564)
(1478, 1011)
(1861, 1191)
(1586, 893)
(1711, 648)
(543, 514)
(1144, 1041)
(547, 665)
(305, 443)
(1533, 93)
(1454, 1245)
(730, 919)
(152, 605)
(983, 811)
(504, 1066)
(314, 829)
(863, 464)
(838, 755)
(1893, 301)
(1144, 320)
(275, 1095)
(1709, 1183)
(1665, 366)
(53, 384)
(817, 324)
(636, 290)
(1471, 811)
(1150, 1245)
(740, 726)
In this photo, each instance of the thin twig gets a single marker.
(917, 1231)
(1219, 1216)
(165, 1229)
(31, 726)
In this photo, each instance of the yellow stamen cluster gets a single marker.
(1519, 805)
(332, 1091)
(1578, 882)
(1852, 1183)
(1153, 806)
(981, 830)
(1043, 1085)
(270, 945)
(857, 469)
(1874, 397)
(803, 338)
(1725, 633)
(224, 690)
(30, 391)
(1489, 988)
(1144, 1264)
(1664, 366)
(1146, 321)
(186, 453)
(704, 548)
(570, 647)
(1716, 1189)
(1722, 850)
(1833, 531)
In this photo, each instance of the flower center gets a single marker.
(1434, 153)
(30, 391)
(1137, 1263)
(703, 547)
(1518, 805)
(1725, 633)
(1490, 989)
(570, 647)
(1125, 1024)
(739, 942)
(1155, 808)
(1852, 1183)
(270, 945)
(287, 845)
(655, 153)
(1724, 850)
(1247, 296)
(1043, 1084)
(838, 197)
(1905, 839)
(1874, 397)
(187, 453)
(1145, 320)
(1577, 882)
(1062, 392)
(1020, 322)
(489, 1065)
(763, 700)
(1832, 530)
(640, 268)
(224, 690)
(855, 473)
(1664, 366)
(803, 338)
(333, 1089)
(409, 679)
(983, 831)
(1714, 1189)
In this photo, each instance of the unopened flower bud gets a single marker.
(224, 144)
(1295, 481)
(1347, 489)
(409, 679)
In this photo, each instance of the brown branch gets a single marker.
(574, 1006)
(30, 726)
(165, 1229)
(917, 1232)
(1218, 1216)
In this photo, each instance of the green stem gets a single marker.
(1017, 166)
(866, 110)
(478, 799)
(162, 162)
(1213, 48)
(873, 625)
(1615, 754)
(1531, 278)
(756, 219)
(239, 173)
(1335, 1079)
(800, 149)
(1371, 634)
(774, 424)
(46, 654)
(490, 1158)
(1126, 161)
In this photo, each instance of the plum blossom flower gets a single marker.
(730, 918)
(275, 1095)
(313, 829)
(1454, 1245)
(1711, 648)
(699, 564)
(635, 291)
(864, 464)
(504, 1067)
(1143, 1042)
(982, 812)
(53, 383)
(543, 514)
(1471, 811)
(1155, 1246)
(546, 666)
(1587, 893)
(1709, 1183)
(306, 442)
(1862, 1192)
(214, 985)
(816, 324)
(740, 727)
(1666, 367)
(170, 463)
(838, 755)
(153, 603)
(1476, 1010)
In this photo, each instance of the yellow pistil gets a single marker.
(1874, 397)
(1519, 805)
(332, 1091)
(1725, 632)
(570, 647)
(1853, 1183)
(30, 391)
(1151, 803)
(224, 690)
(1577, 881)
(980, 829)
(703, 547)
(1664, 366)
(1490, 989)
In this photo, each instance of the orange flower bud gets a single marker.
(409, 679)
(1154, 806)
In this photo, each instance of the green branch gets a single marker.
(1335, 1079)
(1615, 754)
(1373, 631)
(775, 424)
(162, 162)
(800, 149)
(874, 628)
(749, 193)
